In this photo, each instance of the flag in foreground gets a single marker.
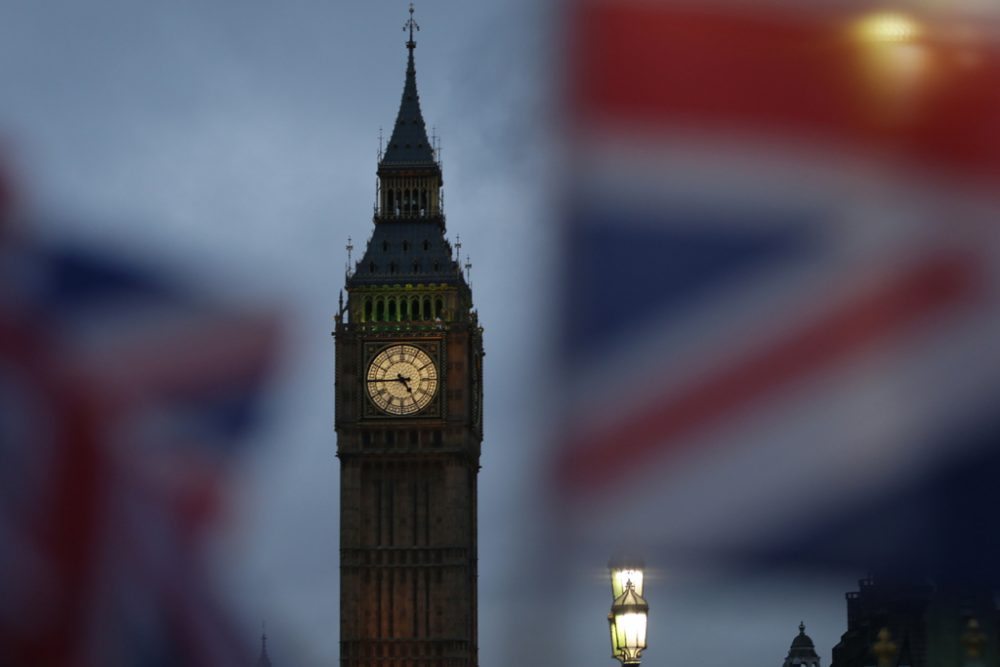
(123, 398)
(780, 295)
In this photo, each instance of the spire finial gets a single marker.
(410, 25)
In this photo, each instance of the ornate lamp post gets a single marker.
(629, 610)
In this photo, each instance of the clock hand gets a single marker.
(405, 381)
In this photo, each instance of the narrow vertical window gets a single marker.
(413, 607)
(378, 512)
(415, 503)
(390, 518)
(427, 513)
(392, 598)
(427, 604)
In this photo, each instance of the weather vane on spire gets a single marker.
(410, 25)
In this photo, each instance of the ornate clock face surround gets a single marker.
(402, 379)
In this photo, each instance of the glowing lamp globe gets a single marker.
(628, 626)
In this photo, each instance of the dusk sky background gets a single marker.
(234, 143)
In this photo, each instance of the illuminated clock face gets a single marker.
(402, 380)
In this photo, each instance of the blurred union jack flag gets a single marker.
(780, 299)
(122, 400)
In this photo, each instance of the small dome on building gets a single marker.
(802, 652)
(802, 640)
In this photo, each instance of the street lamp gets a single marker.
(627, 620)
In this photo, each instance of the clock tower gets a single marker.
(409, 422)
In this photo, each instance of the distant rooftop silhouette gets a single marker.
(263, 660)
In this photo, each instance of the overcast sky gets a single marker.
(242, 136)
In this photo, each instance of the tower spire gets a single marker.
(408, 143)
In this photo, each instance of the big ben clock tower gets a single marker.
(409, 422)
